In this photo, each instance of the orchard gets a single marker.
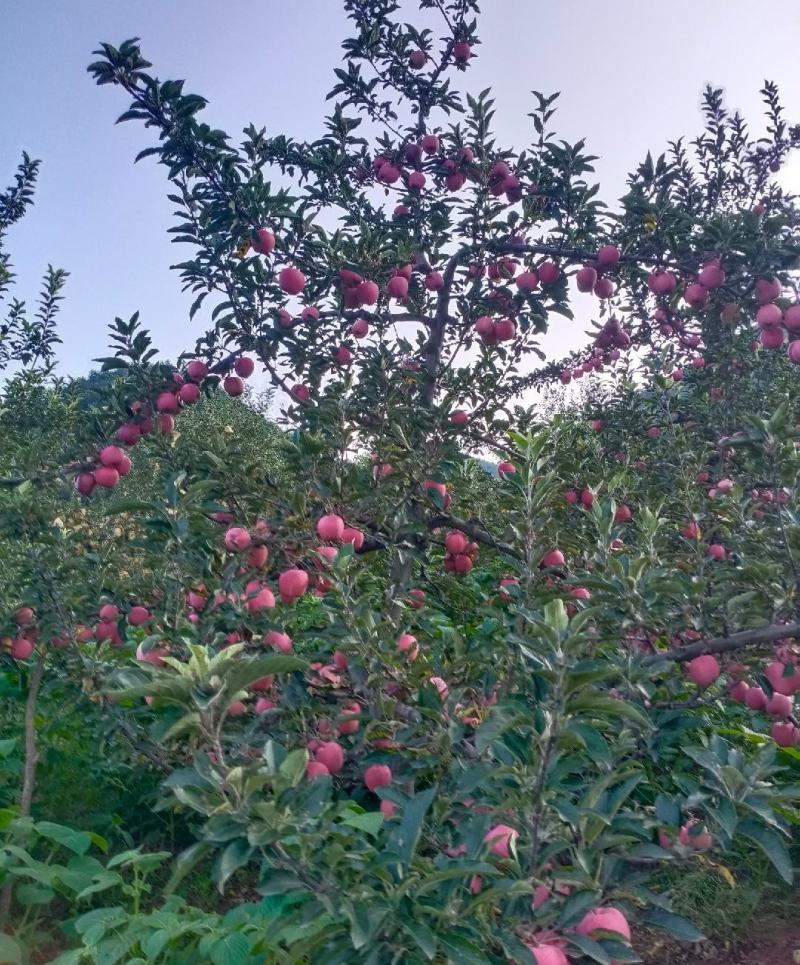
(391, 706)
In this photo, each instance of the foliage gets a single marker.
(475, 734)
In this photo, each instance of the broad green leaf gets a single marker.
(772, 846)
(235, 856)
(370, 821)
(673, 924)
(77, 841)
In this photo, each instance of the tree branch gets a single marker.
(475, 532)
(736, 641)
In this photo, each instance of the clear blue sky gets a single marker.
(630, 72)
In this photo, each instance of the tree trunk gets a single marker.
(29, 770)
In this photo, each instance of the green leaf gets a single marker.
(422, 935)
(185, 862)
(593, 703)
(675, 925)
(233, 949)
(293, 767)
(246, 671)
(235, 856)
(77, 841)
(28, 894)
(11, 952)
(370, 821)
(555, 615)
(772, 846)
(405, 837)
(590, 947)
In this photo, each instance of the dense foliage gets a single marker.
(427, 713)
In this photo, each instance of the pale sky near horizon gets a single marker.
(630, 81)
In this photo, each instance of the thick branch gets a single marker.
(475, 532)
(736, 641)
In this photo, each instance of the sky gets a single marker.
(630, 73)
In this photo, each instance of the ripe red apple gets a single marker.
(257, 557)
(233, 385)
(128, 433)
(461, 563)
(779, 705)
(711, 275)
(462, 52)
(548, 955)
(189, 393)
(434, 281)
(301, 392)
(501, 838)
(785, 734)
(587, 498)
(455, 181)
(416, 182)
(407, 644)
(586, 278)
(791, 318)
(768, 315)
(716, 551)
(416, 599)
(780, 681)
(25, 617)
(263, 242)
(696, 295)
(794, 352)
(767, 290)
(167, 403)
(85, 483)
(397, 287)
(353, 536)
(455, 542)
(772, 338)
(111, 456)
(237, 539)
(755, 698)
(553, 558)
(292, 584)
(106, 476)
(330, 527)
(506, 468)
(738, 691)
(701, 841)
(703, 670)
(291, 280)
(388, 173)
(349, 725)
(662, 282)
(279, 641)
(138, 615)
(604, 288)
(527, 281)
(608, 256)
(166, 423)
(623, 514)
(331, 755)
(417, 59)
(21, 648)
(504, 329)
(343, 355)
(430, 485)
(604, 919)
(548, 272)
(377, 775)
(244, 366)
(430, 143)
